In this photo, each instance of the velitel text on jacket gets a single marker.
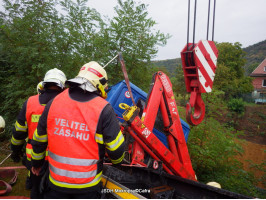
(74, 129)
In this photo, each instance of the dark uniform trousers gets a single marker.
(35, 190)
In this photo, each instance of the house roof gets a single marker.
(260, 70)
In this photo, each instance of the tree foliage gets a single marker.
(232, 55)
(213, 148)
(131, 32)
(236, 105)
(230, 77)
(170, 65)
(26, 43)
(36, 36)
(179, 86)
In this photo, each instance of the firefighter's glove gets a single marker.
(15, 156)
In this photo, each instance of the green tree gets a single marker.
(179, 86)
(232, 56)
(230, 76)
(131, 32)
(35, 37)
(81, 39)
(25, 45)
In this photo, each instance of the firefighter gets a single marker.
(78, 126)
(27, 120)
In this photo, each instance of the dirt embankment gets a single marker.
(253, 124)
(254, 154)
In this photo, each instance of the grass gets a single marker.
(249, 104)
(18, 189)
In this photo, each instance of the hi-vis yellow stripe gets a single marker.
(20, 127)
(114, 186)
(115, 144)
(35, 118)
(119, 160)
(39, 138)
(16, 142)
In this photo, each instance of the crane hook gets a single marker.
(197, 105)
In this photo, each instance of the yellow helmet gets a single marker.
(2, 125)
(92, 76)
(40, 87)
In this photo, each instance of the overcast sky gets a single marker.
(241, 21)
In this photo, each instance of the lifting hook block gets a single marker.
(195, 109)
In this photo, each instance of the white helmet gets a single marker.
(40, 87)
(2, 125)
(92, 77)
(55, 76)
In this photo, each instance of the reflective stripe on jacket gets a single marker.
(73, 152)
(33, 112)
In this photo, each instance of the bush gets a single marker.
(213, 150)
(237, 106)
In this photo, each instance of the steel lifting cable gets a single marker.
(194, 27)
(188, 23)
(208, 20)
(213, 20)
(123, 66)
(194, 23)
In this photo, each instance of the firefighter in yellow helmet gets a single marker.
(78, 125)
(27, 120)
(91, 78)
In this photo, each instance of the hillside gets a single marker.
(170, 65)
(255, 54)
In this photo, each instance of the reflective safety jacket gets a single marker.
(73, 152)
(33, 112)
(79, 128)
(27, 121)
